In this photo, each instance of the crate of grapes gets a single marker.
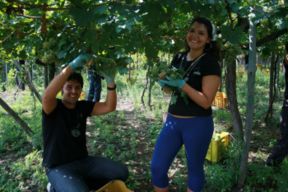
(220, 100)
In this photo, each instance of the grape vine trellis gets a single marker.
(54, 32)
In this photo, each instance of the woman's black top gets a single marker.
(206, 65)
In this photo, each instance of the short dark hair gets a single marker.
(76, 77)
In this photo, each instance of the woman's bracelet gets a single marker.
(111, 88)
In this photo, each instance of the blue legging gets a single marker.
(195, 133)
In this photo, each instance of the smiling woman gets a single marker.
(197, 38)
(189, 121)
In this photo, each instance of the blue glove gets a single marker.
(109, 77)
(179, 83)
(80, 61)
(161, 83)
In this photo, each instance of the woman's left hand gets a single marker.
(179, 83)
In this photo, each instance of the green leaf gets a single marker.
(22, 54)
(81, 16)
(101, 9)
(61, 54)
(234, 36)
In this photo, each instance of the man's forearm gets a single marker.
(57, 83)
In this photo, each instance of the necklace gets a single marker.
(189, 56)
(76, 130)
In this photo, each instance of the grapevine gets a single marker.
(101, 64)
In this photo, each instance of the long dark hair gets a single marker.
(211, 47)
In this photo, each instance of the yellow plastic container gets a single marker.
(218, 144)
(220, 101)
(114, 186)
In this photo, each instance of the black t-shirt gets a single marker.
(206, 65)
(64, 133)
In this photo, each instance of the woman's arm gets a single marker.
(210, 85)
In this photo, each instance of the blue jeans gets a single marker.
(94, 92)
(85, 174)
(195, 134)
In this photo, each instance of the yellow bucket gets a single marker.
(114, 186)
(218, 145)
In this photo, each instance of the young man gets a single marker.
(280, 150)
(65, 158)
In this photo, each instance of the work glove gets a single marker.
(162, 76)
(162, 84)
(178, 83)
(108, 76)
(78, 63)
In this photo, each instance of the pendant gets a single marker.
(75, 132)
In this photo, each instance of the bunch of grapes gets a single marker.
(102, 65)
(107, 65)
(47, 53)
(173, 74)
(48, 57)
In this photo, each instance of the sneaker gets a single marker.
(49, 188)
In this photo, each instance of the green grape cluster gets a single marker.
(49, 43)
(48, 57)
(48, 54)
(107, 65)
(104, 65)
(173, 74)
